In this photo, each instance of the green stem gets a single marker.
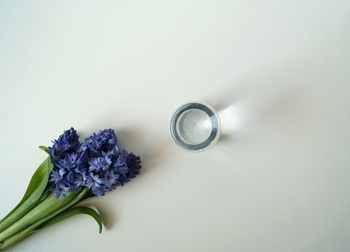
(32, 197)
(20, 212)
(51, 205)
(34, 227)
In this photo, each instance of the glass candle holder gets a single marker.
(195, 126)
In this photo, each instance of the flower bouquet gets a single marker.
(72, 172)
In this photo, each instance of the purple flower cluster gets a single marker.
(98, 164)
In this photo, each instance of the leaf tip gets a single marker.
(44, 148)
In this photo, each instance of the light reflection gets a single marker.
(231, 119)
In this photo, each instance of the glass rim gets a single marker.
(215, 126)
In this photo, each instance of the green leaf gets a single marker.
(75, 211)
(20, 235)
(44, 148)
(32, 196)
(50, 205)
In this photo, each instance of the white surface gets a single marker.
(278, 72)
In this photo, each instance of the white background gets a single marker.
(278, 72)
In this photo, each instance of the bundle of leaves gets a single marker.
(73, 171)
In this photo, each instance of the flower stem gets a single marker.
(36, 190)
(47, 209)
(36, 226)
